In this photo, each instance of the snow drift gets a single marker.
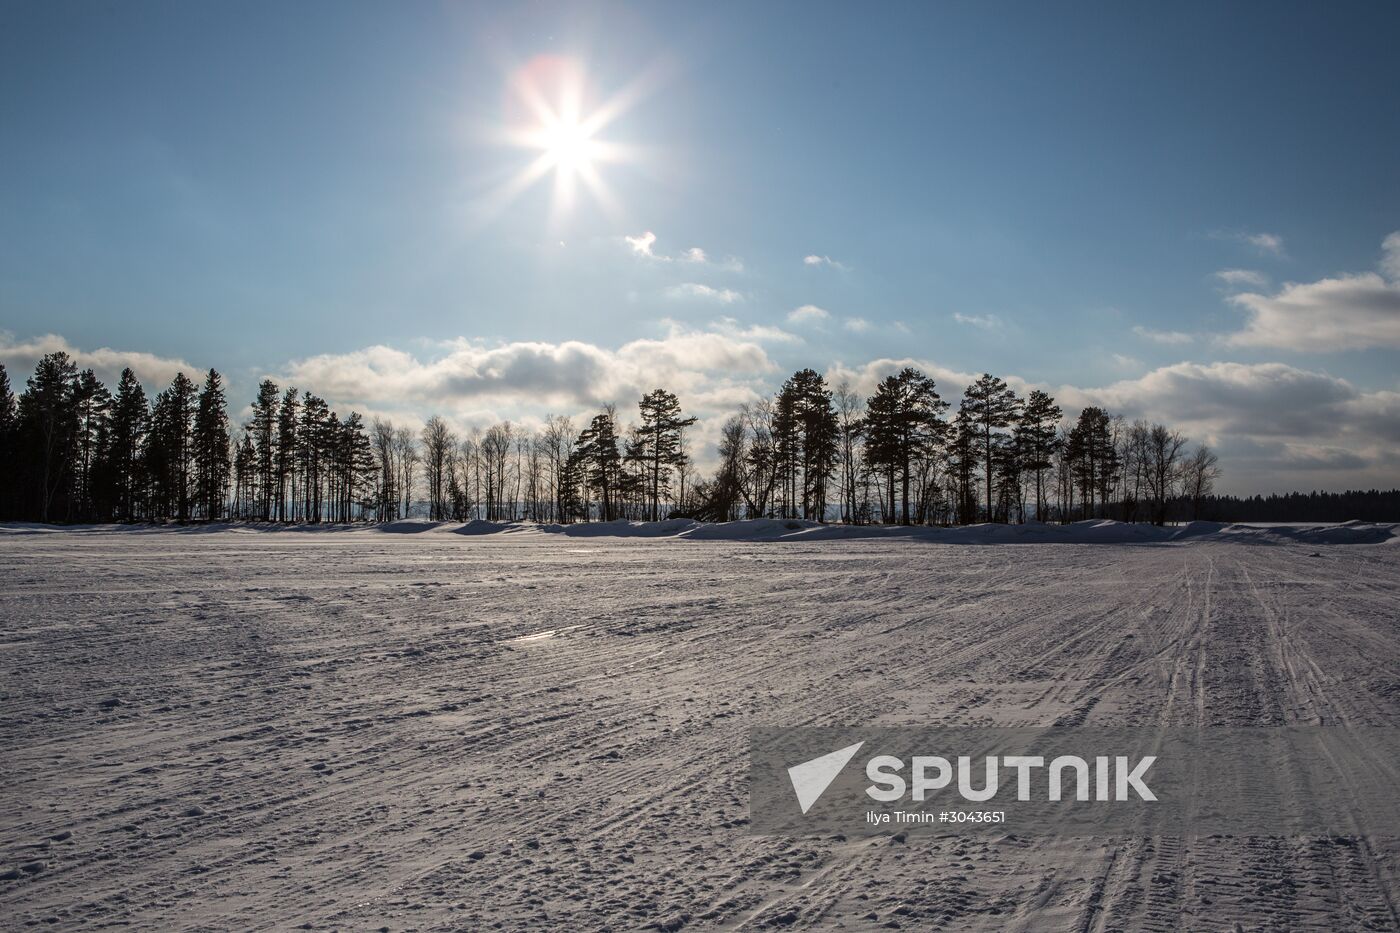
(1099, 531)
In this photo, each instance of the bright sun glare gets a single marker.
(569, 145)
(552, 118)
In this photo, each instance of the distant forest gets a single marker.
(73, 450)
(1373, 505)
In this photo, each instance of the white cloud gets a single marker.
(1265, 418)
(1348, 312)
(1169, 337)
(527, 376)
(1390, 256)
(808, 314)
(1277, 426)
(642, 243)
(813, 260)
(1265, 244)
(1123, 361)
(1242, 277)
(759, 332)
(983, 321)
(696, 290)
(20, 357)
(1343, 312)
(474, 383)
(864, 378)
(1249, 398)
(1270, 243)
(858, 325)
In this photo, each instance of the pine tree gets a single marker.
(903, 424)
(170, 449)
(92, 405)
(125, 470)
(48, 423)
(211, 448)
(602, 461)
(359, 468)
(990, 405)
(9, 448)
(284, 474)
(662, 424)
(962, 465)
(1036, 438)
(244, 472)
(1089, 449)
(311, 451)
(573, 502)
(263, 431)
(818, 430)
(882, 451)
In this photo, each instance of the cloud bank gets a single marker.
(1343, 312)
(19, 357)
(1276, 425)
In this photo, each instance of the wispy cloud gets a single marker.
(858, 325)
(760, 332)
(1266, 244)
(726, 296)
(982, 321)
(813, 259)
(1390, 256)
(1169, 337)
(1240, 278)
(808, 314)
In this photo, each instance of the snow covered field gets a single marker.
(239, 729)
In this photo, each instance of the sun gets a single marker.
(551, 115)
(568, 144)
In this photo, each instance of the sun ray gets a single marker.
(560, 128)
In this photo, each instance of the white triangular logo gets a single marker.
(811, 778)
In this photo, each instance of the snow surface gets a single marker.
(1094, 531)
(476, 727)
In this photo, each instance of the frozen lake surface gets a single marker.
(262, 730)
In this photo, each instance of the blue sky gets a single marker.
(1179, 212)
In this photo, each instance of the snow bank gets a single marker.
(1087, 532)
(1100, 531)
(670, 528)
(1345, 533)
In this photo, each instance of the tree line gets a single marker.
(1372, 505)
(71, 450)
(903, 456)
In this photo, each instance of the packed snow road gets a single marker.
(356, 730)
